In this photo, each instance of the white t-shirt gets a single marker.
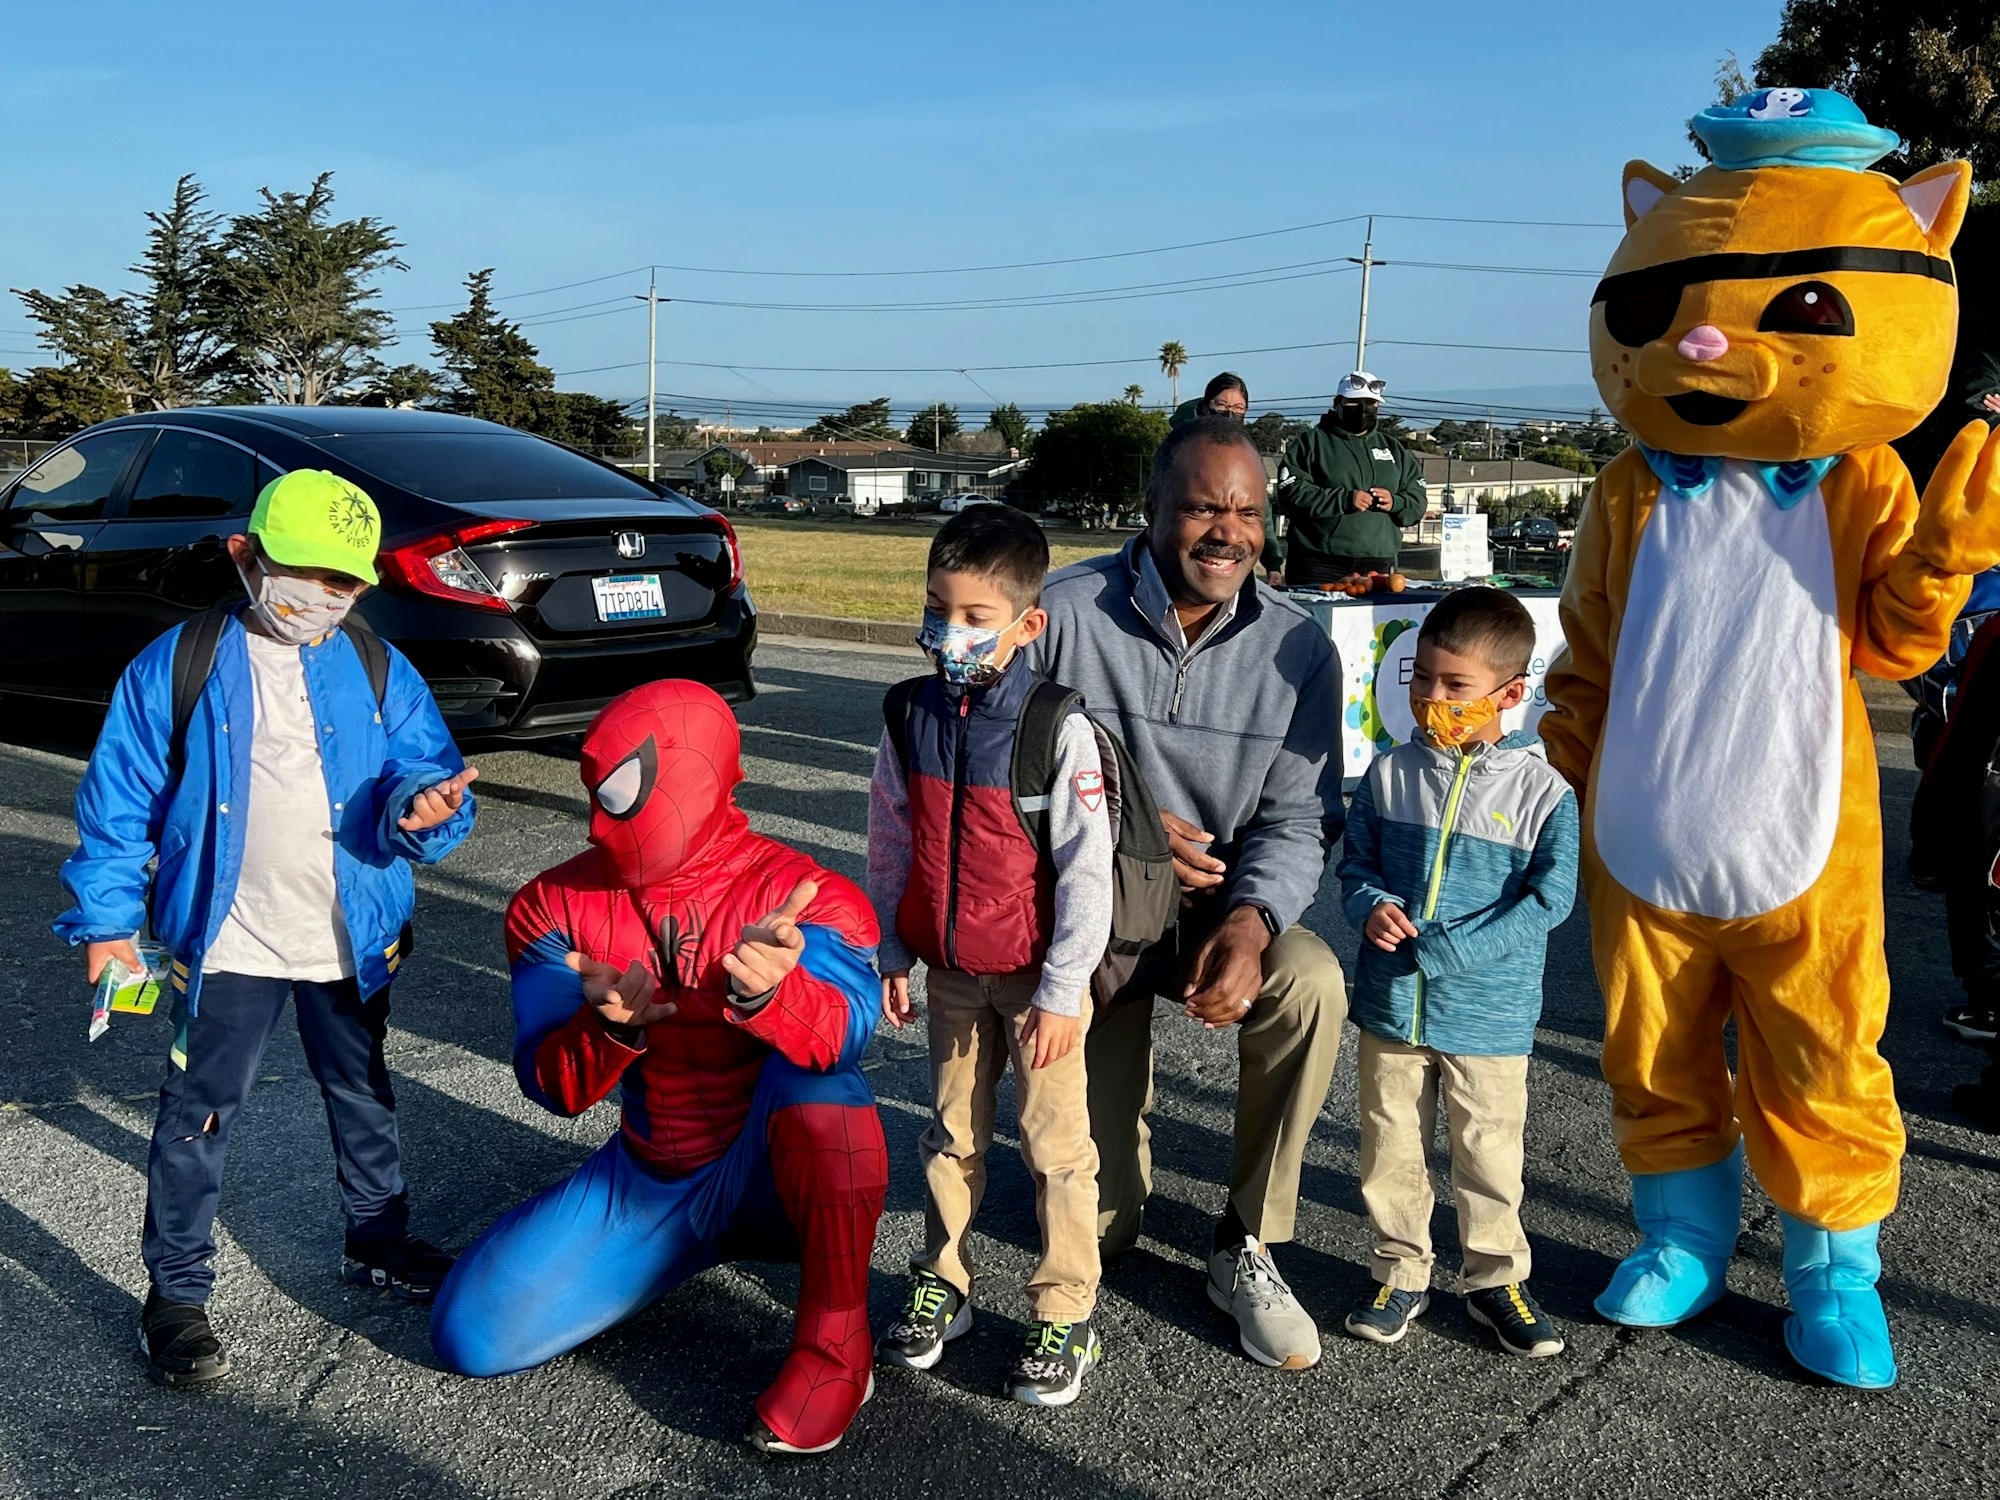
(285, 921)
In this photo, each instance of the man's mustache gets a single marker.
(1205, 551)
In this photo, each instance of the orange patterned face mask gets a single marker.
(1448, 723)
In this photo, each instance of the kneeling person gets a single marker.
(1460, 858)
(724, 984)
(1010, 930)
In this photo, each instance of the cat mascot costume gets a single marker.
(1764, 329)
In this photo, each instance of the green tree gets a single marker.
(671, 429)
(1562, 456)
(583, 421)
(1927, 69)
(930, 427)
(868, 421)
(1173, 360)
(1272, 430)
(53, 401)
(1134, 394)
(405, 385)
(491, 370)
(91, 333)
(1098, 453)
(178, 341)
(293, 294)
(1011, 423)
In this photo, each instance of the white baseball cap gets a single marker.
(1360, 386)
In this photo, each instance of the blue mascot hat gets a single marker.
(1792, 128)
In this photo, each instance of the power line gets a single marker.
(517, 296)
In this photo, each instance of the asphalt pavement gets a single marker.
(335, 1391)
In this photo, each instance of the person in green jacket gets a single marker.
(1347, 491)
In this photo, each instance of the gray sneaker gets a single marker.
(1273, 1329)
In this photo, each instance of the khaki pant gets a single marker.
(975, 1031)
(1286, 1045)
(1486, 1111)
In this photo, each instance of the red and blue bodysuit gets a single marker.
(747, 1128)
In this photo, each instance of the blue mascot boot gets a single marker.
(1689, 1220)
(1837, 1328)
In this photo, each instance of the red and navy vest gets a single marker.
(981, 894)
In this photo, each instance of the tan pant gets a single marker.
(1286, 1047)
(1486, 1111)
(975, 1031)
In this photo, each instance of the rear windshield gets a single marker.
(461, 467)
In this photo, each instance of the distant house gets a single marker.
(894, 476)
(1463, 485)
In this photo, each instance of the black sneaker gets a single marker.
(1516, 1319)
(1059, 1355)
(1976, 1023)
(1386, 1313)
(410, 1268)
(932, 1318)
(179, 1347)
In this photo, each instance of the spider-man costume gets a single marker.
(747, 1128)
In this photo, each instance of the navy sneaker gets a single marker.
(932, 1318)
(1975, 1023)
(1386, 1313)
(1051, 1369)
(410, 1268)
(1516, 1319)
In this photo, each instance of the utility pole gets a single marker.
(652, 299)
(1367, 263)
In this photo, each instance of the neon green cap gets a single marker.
(312, 519)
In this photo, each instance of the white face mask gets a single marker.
(295, 610)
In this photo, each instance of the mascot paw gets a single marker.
(1837, 1328)
(1659, 1285)
(1958, 528)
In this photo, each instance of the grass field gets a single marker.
(860, 570)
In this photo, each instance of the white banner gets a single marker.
(1377, 639)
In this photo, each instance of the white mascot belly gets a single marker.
(1713, 796)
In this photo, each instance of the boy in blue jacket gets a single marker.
(281, 823)
(1460, 858)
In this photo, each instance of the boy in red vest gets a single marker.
(1010, 931)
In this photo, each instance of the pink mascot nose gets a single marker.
(1704, 343)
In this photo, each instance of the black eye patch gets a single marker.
(1633, 299)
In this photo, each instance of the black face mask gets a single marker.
(1356, 416)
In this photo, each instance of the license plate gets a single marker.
(629, 596)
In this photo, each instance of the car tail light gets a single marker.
(439, 568)
(735, 552)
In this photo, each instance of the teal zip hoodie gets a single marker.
(1480, 850)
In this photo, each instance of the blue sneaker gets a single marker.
(1385, 1314)
(1837, 1328)
(1689, 1220)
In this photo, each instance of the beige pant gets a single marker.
(1286, 1047)
(1486, 1111)
(975, 1031)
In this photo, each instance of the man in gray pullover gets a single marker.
(1228, 697)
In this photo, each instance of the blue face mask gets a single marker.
(964, 654)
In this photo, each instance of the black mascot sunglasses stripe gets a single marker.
(1676, 275)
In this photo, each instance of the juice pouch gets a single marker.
(134, 992)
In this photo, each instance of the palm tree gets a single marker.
(1134, 394)
(1173, 359)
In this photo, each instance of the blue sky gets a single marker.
(564, 142)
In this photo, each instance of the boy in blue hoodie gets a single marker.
(1460, 858)
(313, 767)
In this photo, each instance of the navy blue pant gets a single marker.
(199, 1103)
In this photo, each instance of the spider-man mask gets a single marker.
(660, 764)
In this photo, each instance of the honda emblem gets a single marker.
(631, 544)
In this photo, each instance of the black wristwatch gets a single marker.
(1271, 924)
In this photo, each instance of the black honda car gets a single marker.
(528, 583)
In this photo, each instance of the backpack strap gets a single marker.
(1036, 734)
(194, 659)
(897, 706)
(374, 656)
